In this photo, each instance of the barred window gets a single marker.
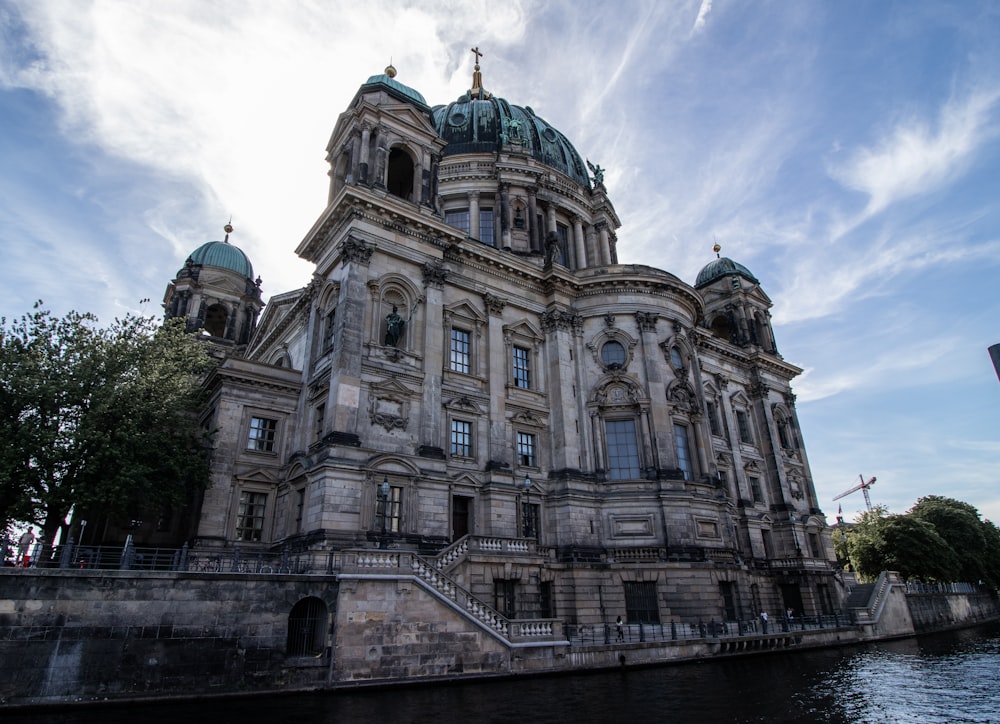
(262, 432)
(640, 602)
(460, 350)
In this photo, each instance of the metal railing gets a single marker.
(608, 633)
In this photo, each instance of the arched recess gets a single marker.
(308, 623)
(722, 327)
(216, 318)
(399, 173)
(395, 294)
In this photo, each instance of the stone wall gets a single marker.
(939, 611)
(82, 635)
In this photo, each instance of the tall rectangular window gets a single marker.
(262, 431)
(755, 491)
(503, 596)
(713, 419)
(328, 332)
(683, 451)
(459, 218)
(743, 423)
(250, 517)
(461, 438)
(460, 350)
(562, 232)
(486, 226)
(388, 510)
(623, 449)
(526, 449)
(522, 367)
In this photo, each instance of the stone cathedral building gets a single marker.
(472, 377)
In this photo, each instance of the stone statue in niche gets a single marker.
(395, 325)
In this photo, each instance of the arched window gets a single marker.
(722, 328)
(215, 320)
(307, 624)
(400, 181)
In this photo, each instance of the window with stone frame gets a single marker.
(250, 516)
(504, 596)
(461, 438)
(526, 449)
(388, 510)
(743, 425)
(521, 367)
(683, 446)
(329, 333)
(486, 226)
(622, 449)
(460, 349)
(460, 219)
(261, 436)
(712, 412)
(755, 489)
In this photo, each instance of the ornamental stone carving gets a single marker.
(646, 321)
(561, 320)
(435, 274)
(494, 304)
(356, 250)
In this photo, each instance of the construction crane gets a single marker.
(862, 486)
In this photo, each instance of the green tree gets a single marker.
(97, 418)
(960, 525)
(914, 548)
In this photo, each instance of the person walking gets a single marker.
(620, 625)
(763, 620)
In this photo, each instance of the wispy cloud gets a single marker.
(703, 11)
(916, 156)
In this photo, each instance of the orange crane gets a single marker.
(862, 486)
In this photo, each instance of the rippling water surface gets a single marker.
(943, 678)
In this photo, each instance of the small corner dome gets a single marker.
(720, 268)
(223, 255)
(388, 79)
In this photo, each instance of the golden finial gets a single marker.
(390, 70)
(228, 228)
(716, 248)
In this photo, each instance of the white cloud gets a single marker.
(916, 157)
(703, 11)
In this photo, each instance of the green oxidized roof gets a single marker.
(481, 123)
(722, 267)
(224, 255)
(387, 80)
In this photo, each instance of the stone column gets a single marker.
(581, 243)
(560, 326)
(535, 236)
(474, 230)
(366, 142)
(492, 363)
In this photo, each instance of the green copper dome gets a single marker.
(224, 255)
(482, 123)
(387, 80)
(722, 267)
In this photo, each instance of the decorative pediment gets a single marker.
(523, 328)
(263, 476)
(618, 391)
(389, 405)
(463, 310)
(528, 418)
(683, 397)
(466, 404)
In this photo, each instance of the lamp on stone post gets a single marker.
(383, 498)
(528, 527)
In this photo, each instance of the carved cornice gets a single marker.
(563, 320)
(646, 321)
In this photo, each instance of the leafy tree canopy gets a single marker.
(960, 525)
(98, 418)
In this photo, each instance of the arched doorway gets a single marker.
(307, 627)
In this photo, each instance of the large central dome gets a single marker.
(486, 123)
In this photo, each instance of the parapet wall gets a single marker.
(942, 611)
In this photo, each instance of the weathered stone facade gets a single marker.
(471, 375)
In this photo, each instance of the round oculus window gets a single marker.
(613, 354)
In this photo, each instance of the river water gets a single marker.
(951, 677)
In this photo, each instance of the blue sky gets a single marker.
(846, 152)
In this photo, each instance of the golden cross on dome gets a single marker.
(478, 54)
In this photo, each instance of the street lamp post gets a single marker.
(528, 527)
(383, 491)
